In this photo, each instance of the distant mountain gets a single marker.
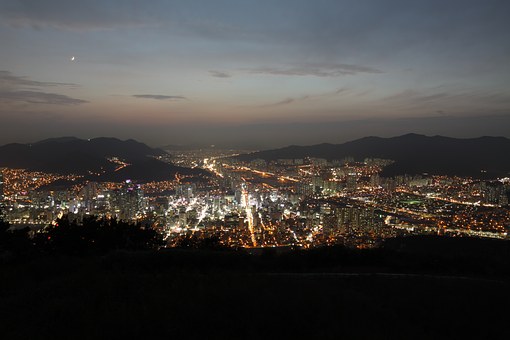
(187, 147)
(190, 147)
(70, 155)
(413, 154)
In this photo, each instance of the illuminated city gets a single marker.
(295, 203)
(254, 169)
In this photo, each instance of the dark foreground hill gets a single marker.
(91, 158)
(391, 293)
(413, 154)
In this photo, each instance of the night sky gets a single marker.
(262, 73)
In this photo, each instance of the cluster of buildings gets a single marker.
(284, 203)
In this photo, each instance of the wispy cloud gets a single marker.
(285, 101)
(219, 74)
(23, 89)
(317, 70)
(8, 80)
(35, 97)
(291, 100)
(158, 97)
(429, 96)
(69, 15)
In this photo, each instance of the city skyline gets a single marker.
(248, 73)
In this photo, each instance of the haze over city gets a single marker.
(253, 73)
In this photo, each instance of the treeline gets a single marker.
(69, 237)
(97, 236)
(195, 241)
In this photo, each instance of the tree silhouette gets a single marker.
(199, 242)
(94, 235)
(4, 226)
(14, 241)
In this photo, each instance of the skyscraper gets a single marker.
(1, 193)
(1, 184)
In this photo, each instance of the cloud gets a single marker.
(8, 80)
(429, 96)
(317, 70)
(35, 97)
(280, 103)
(446, 102)
(158, 97)
(219, 74)
(433, 97)
(22, 89)
(340, 92)
(70, 15)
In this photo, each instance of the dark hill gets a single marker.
(321, 293)
(70, 155)
(152, 169)
(412, 154)
(65, 139)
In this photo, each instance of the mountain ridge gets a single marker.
(71, 155)
(412, 153)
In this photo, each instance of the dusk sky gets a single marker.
(261, 73)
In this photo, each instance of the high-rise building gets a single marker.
(126, 203)
(493, 192)
(1, 184)
(375, 180)
(351, 182)
(304, 188)
(183, 219)
(1, 193)
(186, 191)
